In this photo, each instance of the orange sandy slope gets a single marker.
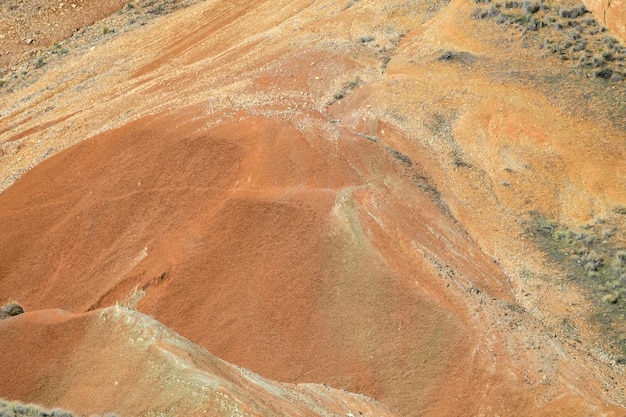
(365, 242)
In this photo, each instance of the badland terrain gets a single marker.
(391, 207)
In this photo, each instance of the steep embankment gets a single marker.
(612, 14)
(119, 360)
(326, 192)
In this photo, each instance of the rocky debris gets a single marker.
(51, 30)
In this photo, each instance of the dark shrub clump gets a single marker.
(10, 309)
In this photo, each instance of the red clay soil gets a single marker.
(118, 360)
(29, 27)
(319, 207)
(262, 247)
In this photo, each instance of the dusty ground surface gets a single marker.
(331, 192)
(161, 373)
(29, 28)
(33, 33)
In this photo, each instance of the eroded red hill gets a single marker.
(331, 193)
(161, 372)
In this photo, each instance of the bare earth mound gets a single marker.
(161, 373)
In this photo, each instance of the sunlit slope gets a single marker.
(323, 192)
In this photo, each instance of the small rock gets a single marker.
(29, 41)
(10, 310)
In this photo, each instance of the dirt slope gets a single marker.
(612, 14)
(161, 372)
(28, 28)
(329, 192)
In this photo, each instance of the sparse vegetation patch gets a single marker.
(59, 49)
(19, 409)
(139, 12)
(404, 159)
(569, 34)
(458, 56)
(594, 259)
(346, 89)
